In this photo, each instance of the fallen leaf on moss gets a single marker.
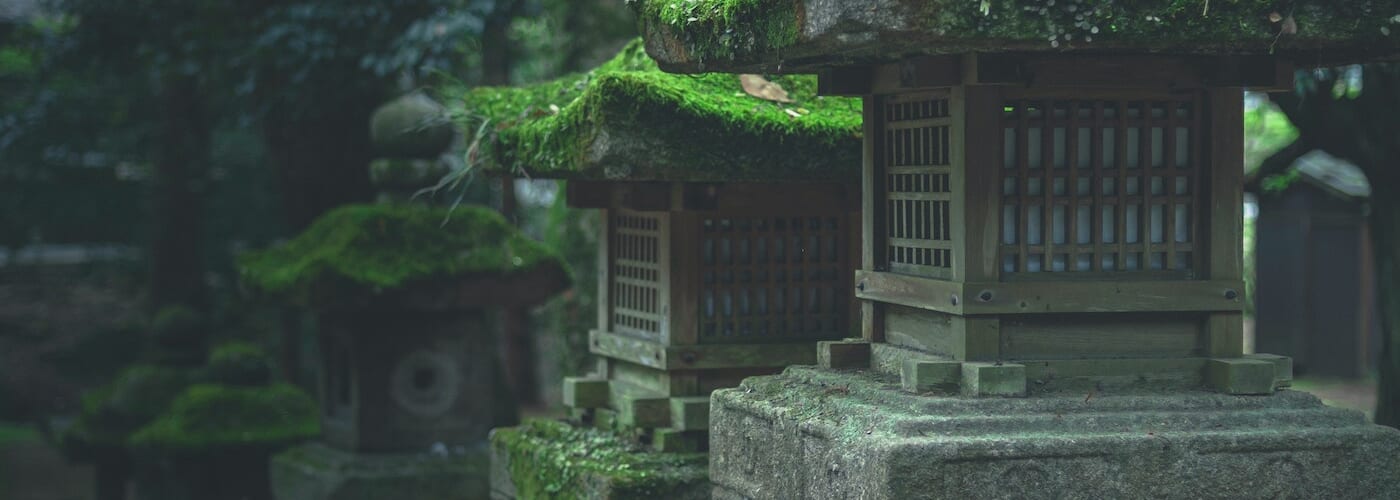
(761, 88)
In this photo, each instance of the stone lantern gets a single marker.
(1052, 213)
(408, 378)
(728, 244)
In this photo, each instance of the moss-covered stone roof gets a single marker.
(627, 120)
(360, 250)
(751, 35)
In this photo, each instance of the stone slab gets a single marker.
(319, 472)
(993, 379)
(849, 353)
(815, 433)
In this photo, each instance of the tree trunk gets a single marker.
(322, 158)
(1385, 238)
(177, 258)
(497, 51)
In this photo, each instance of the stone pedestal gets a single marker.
(819, 433)
(317, 471)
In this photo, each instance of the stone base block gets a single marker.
(320, 472)
(551, 459)
(793, 436)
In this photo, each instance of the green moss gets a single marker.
(112, 412)
(239, 363)
(709, 25)
(209, 416)
(15, 63)
(555, 460)
(748, 31)
(180, 336)
(1187, 22)
(378, 247)
(700, 127)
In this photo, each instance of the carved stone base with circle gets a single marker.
(425, 383)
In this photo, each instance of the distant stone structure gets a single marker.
(1052, 290)
(1315, 298)
(409, 378)
(179, 427)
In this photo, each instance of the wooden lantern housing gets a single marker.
(730, 227)
(1052, 193)
(1081, 217)
(703, 284)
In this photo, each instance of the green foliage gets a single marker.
(550, 126)
(1266, 131)
(554, 460)
(180, 335)
(1280, 183)
(210, 416)
(17, 433)
(111, 413)
(15, 62)
(379, 247)
(239, 364)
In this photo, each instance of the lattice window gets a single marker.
(636, 275)
(1098, 187)
(767, 278)
(917, 190)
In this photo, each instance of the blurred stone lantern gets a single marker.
(1052, 217)
(409, 378)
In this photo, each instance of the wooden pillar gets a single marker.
(1225, 330)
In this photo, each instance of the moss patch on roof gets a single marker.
(555, 460)
(376, 248)
(725, 35)
(213, 416)
(629, 120)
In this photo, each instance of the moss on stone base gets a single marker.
(314, 471)
(629, 120)
(373, 248)
(556, 460)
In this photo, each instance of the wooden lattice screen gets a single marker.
(918, 193)
(636, 274)
(1094, 187)
(773, 278)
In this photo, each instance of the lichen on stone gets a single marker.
(209, 416)
(375, 248)
(556, 460)
(629, 120)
